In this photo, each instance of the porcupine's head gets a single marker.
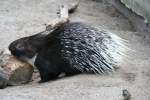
(27, 47)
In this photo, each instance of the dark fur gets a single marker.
(70, 49)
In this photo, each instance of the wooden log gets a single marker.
(13, 71)
(62, 16)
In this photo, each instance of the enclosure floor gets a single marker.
(26, 17)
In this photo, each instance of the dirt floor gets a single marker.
(26, 17)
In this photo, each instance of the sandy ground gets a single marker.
(25, 17)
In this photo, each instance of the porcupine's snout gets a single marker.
(22, 48)
(15, 48)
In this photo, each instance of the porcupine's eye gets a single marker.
(20, 47)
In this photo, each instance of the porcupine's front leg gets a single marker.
(47, 70)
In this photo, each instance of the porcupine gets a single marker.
(72, 49)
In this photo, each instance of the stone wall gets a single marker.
(141, 7)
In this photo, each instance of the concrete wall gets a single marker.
(141, 7)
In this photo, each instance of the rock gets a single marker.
(13, 71)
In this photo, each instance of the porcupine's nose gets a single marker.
(11, 47)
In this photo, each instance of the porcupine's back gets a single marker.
(90, 50)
